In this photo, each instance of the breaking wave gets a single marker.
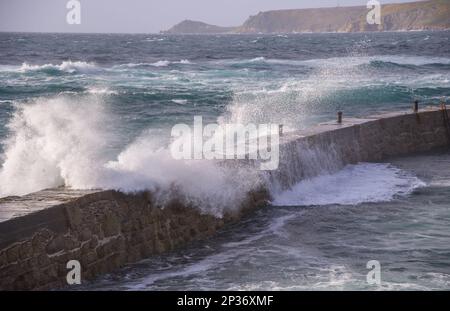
(66, 66)
(67, 142)
(160, 63)
(355, 184)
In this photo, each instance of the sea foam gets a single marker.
(63, 141)
(66, 66)
(354, 184)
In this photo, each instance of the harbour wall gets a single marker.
(104, 230)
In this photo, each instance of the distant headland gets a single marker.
(411, 16)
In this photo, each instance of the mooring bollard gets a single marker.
(416, 106)
(339, 117)
(280, 129)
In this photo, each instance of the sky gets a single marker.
(143, 16)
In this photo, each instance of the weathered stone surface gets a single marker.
(74, 216)
(12, 253)
(26, 250)
(55, 245)
(88, 258)
(3, 259)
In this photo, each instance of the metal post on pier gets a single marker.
(339, 117)
(416, 106)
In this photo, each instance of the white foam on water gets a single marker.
(196, 268)
(257, 60)
(184, 61)
(347, 61)
(66, 66)
(355, 184)
(353, 61)
(129, 65)
(331, 277)
(161, 63)
(361, 60)
(101, 91)
(64, 141)
(180, 101)
(154, 39)
(165, 63)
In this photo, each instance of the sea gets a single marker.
(95, 111)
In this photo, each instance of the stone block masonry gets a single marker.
(104, 230)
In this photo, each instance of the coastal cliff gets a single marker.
(420, 15)
(194, 27)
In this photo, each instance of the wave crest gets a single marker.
(66, 66)
(67, 142)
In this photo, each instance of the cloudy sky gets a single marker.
(142, 16)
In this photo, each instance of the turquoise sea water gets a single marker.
(89, 111)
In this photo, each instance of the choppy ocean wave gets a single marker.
(154, 94)
(143, 97)
(66, 66)
(348, 61)
(65, 142)
(93, 111)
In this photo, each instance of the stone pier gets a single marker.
(104, 230)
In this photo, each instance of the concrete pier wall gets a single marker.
(103, 230)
